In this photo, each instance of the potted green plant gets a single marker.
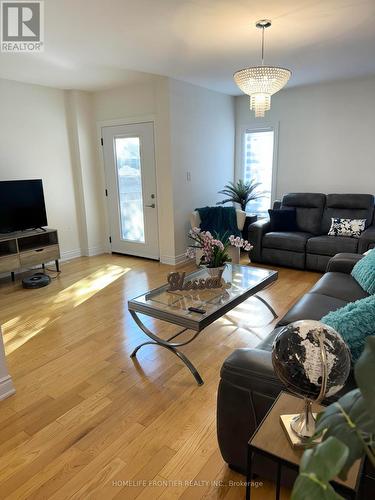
(241, 192)
(348, 432)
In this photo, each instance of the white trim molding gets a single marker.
(71, 254)
(6, 382)
(97, 250)
(6, 387)
(174, 260)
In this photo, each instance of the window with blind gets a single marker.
(257, 165)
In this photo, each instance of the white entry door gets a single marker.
(129, 160)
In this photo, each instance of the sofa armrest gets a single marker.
(256, 232)
(247, 390)
(343, 263)
(251, 369)
(367, 240)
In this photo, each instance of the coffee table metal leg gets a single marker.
(269, 307)
(167, 345)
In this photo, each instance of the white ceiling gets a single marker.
(93, 44)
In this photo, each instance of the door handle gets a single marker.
(151, 206)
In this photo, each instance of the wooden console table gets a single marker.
(23, 249)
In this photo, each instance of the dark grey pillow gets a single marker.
(283, 220)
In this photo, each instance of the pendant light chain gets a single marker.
(263, 45)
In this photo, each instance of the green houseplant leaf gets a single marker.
(318, 466)
(348, 420)
(241, 192)
(364, 371)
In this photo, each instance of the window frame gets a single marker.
(240, 152)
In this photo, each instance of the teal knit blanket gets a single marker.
(364, 272)
(219, 221)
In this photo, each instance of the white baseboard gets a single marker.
(87, 252)
(174, 260)
(96, 250)
(6, 387)
(71, 254)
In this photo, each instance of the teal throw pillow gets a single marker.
(354, 322)
(364, 272)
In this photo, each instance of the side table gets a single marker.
(250, 218)
(271, 441)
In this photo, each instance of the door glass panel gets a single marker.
(129, 172)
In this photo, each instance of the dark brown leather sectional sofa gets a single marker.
(249, 386)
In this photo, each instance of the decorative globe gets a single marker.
(297, 358)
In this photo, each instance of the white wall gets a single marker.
(194, 132)
(202, 143)
(147, 101)
(326, 136)
(127, 101)
(35, 144)
(89, 176)
(52, 134)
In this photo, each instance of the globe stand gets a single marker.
(301, 427)
(303, 424)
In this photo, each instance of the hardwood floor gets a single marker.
(89, 422)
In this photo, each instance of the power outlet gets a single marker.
(188, 176)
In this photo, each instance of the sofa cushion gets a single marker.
(331, 245)
(347, 206)
(354, 322)
(294, 241)
(309, 207)
(311, 306)
(287, 258)
(364, 272)
(340, 286)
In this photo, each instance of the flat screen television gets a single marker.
(22, 205)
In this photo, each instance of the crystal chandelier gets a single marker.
(260, 82)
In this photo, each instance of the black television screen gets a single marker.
(22, 205)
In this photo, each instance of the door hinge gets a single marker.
(101, 141)
(110, 239)
(106, 192)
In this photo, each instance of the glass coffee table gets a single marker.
(241, 282)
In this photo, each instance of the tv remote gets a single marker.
(196, 310)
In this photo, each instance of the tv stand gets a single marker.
(23, 249)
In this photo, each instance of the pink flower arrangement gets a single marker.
(214, 250)
(238, 242)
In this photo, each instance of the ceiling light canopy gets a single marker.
(260, 82)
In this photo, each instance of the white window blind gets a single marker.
(257, 165)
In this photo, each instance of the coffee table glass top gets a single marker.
(240, 283)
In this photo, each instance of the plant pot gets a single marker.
(214, 271)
